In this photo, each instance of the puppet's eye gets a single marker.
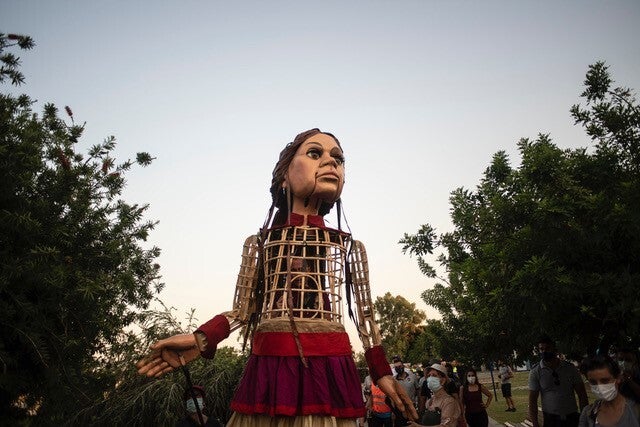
(314, 153)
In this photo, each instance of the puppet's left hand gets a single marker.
(398, 396)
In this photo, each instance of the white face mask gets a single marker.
(191, 407)
(472, 380)
(606, 392)
(434, 384)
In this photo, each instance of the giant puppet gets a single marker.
(289, 295)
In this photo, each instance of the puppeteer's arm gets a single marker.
(369, 333)
(215, 330)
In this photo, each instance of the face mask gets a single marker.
(434, 384)
(399, 370)
(191, 406)
(472, 380)
(606, 392)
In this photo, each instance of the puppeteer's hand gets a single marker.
(398, 396)
(165, 355)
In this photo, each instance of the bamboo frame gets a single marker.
(312, 288)
(244, 301)
(304, 273)
(367, 327)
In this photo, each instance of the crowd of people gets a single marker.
(614, 381)
(447, 394)
(444, 394)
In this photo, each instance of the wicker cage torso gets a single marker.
(304, 269)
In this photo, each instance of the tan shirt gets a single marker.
(449, 408)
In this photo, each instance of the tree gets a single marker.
(550, 245)
(74, 271)
(399, 322)
(11, 63)
(134, 400)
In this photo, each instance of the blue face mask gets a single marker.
(433, 383)
(191, 406)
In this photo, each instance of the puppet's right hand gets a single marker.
(165, 355)
(398, 396)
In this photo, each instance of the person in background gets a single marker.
(378, 408)
(366, 394)
(611, 408)
(366, 386)
(192, 419)
(421, 378)
(425, 393)
(473, 408)
(555, 381)
(441, 408)
(456, 372)
(630, 374)
(505, 374)
(409, 382)
(447, 366)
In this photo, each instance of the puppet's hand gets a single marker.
(165, 355)
(398, 396)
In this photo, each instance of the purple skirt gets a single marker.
(281, 385)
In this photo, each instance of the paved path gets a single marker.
(494, 423)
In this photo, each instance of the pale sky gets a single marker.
(420, 94)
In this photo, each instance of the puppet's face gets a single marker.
(316, 172)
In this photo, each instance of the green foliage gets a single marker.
(134, 400)
(613, 118)
(429, 344)
(399, 322)
(548, 246)
(420, 244)
(361, 365)
(10, 62)
(74, 271)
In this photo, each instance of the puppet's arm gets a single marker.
(369, 332)
(168, 354)
(244, 300)
(215, 330)
(367, 327)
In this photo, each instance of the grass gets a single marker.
(520, 394)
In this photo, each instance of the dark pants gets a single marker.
(379, 422)
(478, 419)
(553, 420)
(400, 421)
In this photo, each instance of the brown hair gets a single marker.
(475, 374)
(278, 195)
(600, 362)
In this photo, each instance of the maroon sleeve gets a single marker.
(377, 362)
(215, 330)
